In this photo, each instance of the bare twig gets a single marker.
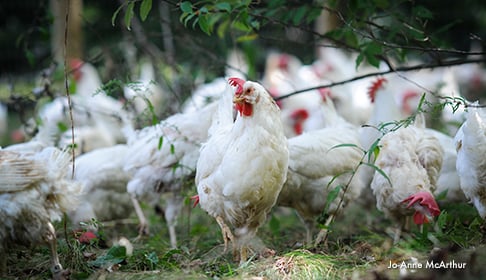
(69, 104)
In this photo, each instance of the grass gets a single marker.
(359, 247)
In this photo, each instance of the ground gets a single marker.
(359, 247)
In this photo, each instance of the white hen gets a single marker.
(34, 190)
(471, 161)
(411, 158)
(243, 165)
(162, 158)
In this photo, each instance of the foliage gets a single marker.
(129, 6)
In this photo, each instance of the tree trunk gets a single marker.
(74, 44)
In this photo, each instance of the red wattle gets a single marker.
(245, 109)
(419, 218)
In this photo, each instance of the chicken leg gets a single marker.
(172, 209)
(227, 234)
(58, 273)
(143, 228)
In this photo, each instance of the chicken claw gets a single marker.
(225, 230)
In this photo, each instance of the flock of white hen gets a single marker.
(246, 152)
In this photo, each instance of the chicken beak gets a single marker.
(239, 99)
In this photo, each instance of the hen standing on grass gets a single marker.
(34, 190)
(243, 166)
(471, 161)
(411, 158)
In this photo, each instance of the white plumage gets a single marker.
(161, 158)
(448, 178)
(243, 165)
(105, 196)
(34, 190)
(411, 159)
(471, 161)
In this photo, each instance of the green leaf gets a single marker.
(62, 127)
(161, 142)
(30, 57)
(129, 14)
(221, 30)
(346, 145)
(299, 15)
(246, 38)
(371, 51)
(172, 149)
(331, 196)
(379, 170)
(145, 8)
(442, 195)
(359, 60)
(186, 7)
(223, 7)
(313, 15)
(115, 255)
(203, 10)
(115, 14)
(204, 24)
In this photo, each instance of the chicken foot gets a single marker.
(58, 273)
(227, 235)
(143, 228)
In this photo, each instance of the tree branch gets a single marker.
(448, 63)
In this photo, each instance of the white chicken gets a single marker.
(285, 74)
(145, 92)
(105, 196)
(470, 143)
(34, 191)
(317, 166)
(243, 165)
(90, 103)
(205, 94)
(162, 158)
(411, 159)
(448, 180)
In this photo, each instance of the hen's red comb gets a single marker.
(375, 86)
(300, 113)
(283, 61)
(426, 200)
(238, 83)
(75, 64)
